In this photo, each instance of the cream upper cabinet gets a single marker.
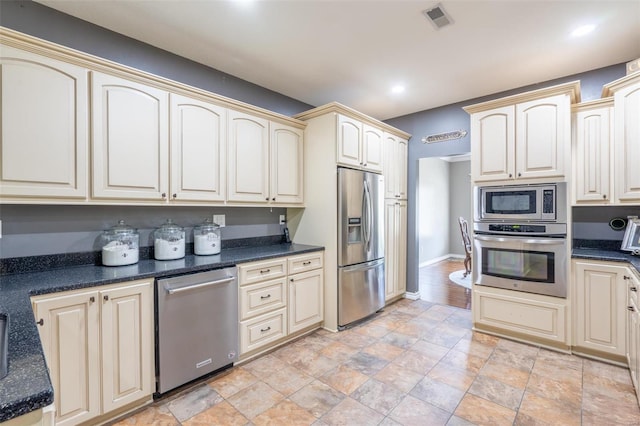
(592, 124)
(130, 139)
(69, 327)
(98, 344)
(600, 307)
(395, 216)
(525, 136)
(395, 166)
(359, 145)
(287, 150)
(627, 137)
(248, 164)
(44, 125)
(493, 144)
(198, 150)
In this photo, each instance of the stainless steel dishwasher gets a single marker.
(197, 326)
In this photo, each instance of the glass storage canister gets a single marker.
(206, 238)
(168, 241)
(120, 245)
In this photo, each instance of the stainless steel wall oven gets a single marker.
(522, 244)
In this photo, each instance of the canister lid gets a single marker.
(121, 229)
(207, 225)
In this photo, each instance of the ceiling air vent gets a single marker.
(437, 16)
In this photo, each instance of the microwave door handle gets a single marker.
(545, 241)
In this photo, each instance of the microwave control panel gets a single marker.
(548, 201)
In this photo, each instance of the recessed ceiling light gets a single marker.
(399, 88)
(583, 30)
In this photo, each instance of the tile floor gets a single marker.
(416, 363)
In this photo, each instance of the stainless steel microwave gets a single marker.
(532, 203)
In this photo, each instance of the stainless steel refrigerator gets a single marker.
(360, 245)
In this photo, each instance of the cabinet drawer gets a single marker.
(305, 262)
(254, 272)
(262, 330)
(261, 298)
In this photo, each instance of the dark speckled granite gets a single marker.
(607, 255)
(27, 387)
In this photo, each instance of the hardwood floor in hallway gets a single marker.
(436, 287)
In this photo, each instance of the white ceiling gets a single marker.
(354, 51)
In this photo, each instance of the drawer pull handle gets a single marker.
(264, 330)
(633, 289)
(41, 322)
(265, 297)
(264, 271)
(630, 308)
(306, 263)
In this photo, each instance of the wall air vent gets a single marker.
(437, 16)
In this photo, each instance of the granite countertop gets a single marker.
(606, 254)
(28, 387)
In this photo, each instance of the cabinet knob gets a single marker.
(519, 174)
(510, 175)
(164, 195)
(291, 279)
(273, 199)
(267, 198)
(105, 297)
(604, 196)
(175, 195)
(634, 289)
(626, 277)
(41, 322)
(92, 299)
(630, 308)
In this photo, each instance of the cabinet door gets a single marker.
(390, 249)
(198, 150)
(372, 148)
(601, 294)
(349, 141)
(130, 139)
(401, 162)
(401, 247)
(69, 332)
(286, 164)
(43, 146)
(543, 137)
(592, 138)
(627, 145)
(248, 173)
(493, 144)
(305, 299)
(127, 344)
(390, 166)
(633, 345)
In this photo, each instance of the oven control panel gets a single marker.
(535, 229)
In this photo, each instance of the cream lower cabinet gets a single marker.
(44, 143)
(279, 297)
(633, 331)
(395, 216)
(98, 344)
(530, 317)
(600, 293)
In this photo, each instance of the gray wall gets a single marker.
(592, 223)
(453, 117)
(34, 230)
(460, 202)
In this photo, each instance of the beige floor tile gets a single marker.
(623, 410)
(561, 389)
(338, 351)
(384, 351)
(413, 411)
(378, 395)
(399, 377)
(400, 340)
(460, 379)
(229, 384)
(438, 394)
(485, 339)
(344, 379)
(497, 391)
(285, 413)
(609, 386)
(265, 366)
(255, 399)
(612, 372)
(355, 340)
(411, 329)
(549, 411)
(464, 361)
(317, 398)
(194, 402)
(482, 412)
(505, 373)
(371, 330)
(315, 364)
(446, 335)
(416, 361)
(155, 415)
(478, 349)
(433, 351)
(222, 414)
(366, 363)
(350, 412)
(288, 380)
(517, 360)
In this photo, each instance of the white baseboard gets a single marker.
(440, 259)
(412, 296)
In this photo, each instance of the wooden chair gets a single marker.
(466, 242)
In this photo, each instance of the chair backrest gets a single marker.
(464, 230)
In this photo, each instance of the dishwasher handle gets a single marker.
(173, 290)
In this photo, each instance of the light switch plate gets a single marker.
(283, 220)
(219, 219)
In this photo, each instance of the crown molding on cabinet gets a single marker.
(610, 88)
(596, 103)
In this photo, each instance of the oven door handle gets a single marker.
(174, 290)
(547, 241)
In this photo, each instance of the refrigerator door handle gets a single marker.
(363, 266)
(368, 214)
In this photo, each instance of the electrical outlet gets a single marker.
(219, 219)
(283, 220)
